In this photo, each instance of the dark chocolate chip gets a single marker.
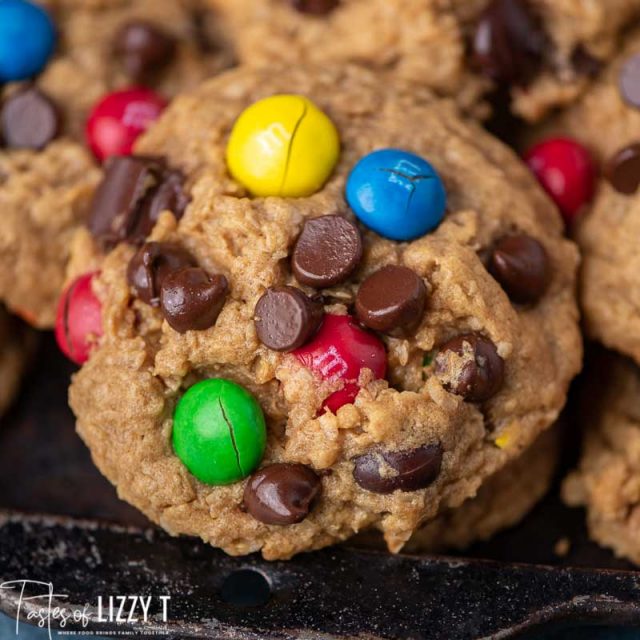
(315, 7)
(191, 299)
(509, 42)
(169, 195)
(29, 120)
(622, 170)
(410, 470)
(120, 198)
(133, 192)
(469, 366)
(629, 80)
(327, 251)
(286, 318)
(521, 265)
(391, 298)
(151, 264)
(144, 48)
(584, 63)
(282, 493)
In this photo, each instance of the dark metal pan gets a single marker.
(92, 545)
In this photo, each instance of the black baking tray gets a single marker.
(61, 522)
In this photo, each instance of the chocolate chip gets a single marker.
(151, 264)
(327, 251)
(629, 80)
(121, 196)
(410, 470)
(133, 192)
(169, 195)
(391, 298)
(191, 299)
(282, 493)
(622, 170)
(315, 7)
(29, 120)
(509, 42)
(469, 366)
(144, 48)
(286, 318)
(521, 265)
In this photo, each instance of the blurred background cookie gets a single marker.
(605, 123)
(542, 54)
(607, 480)
(67, 93)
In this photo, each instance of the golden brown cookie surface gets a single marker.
(143, 365)
(501, 502)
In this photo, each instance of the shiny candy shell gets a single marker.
(284, 146)
(27, 39)
(338, 353)
(79, 319)
(116, 121)
(397, 194)
(219, 431)
(566, 171)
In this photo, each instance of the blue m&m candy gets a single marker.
(27, 39)
(397, 194)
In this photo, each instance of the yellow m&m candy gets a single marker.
(283, 146)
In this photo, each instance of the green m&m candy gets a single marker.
(219, 431)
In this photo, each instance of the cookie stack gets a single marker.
(607, 121)
(311, 296)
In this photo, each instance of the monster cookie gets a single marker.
(501, 502)
(362, 308)
(85, 56)
(400, 36)
(607, 481)
(15, 344)
(545, 51)
(607, 122)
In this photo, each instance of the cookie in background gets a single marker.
(607, 480)
(80, 82)
(594, 154)
(542, 55)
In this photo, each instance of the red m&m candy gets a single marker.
(566, 171)
(79, 319)
(119, 118)
(339, 351)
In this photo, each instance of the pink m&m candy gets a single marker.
(566, 171)
(339, 351)
(119, 118)
(79, 319)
